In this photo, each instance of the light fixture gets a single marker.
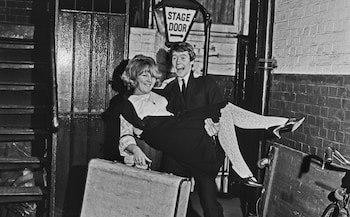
(174, 19)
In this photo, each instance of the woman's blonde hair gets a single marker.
(137, 66)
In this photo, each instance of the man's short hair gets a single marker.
(181, 47)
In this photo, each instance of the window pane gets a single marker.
(102, 5)
(67, 4)
(139, 11)
(221, 11)
(84, 5)
(118, 6)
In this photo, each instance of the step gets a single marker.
(34, 120)
(11, 54)
(8, 163)
(14, 43)
(23, 50)
(11, 86)
(29, 97)
(17, 64)
(8, 64)
(20, 194)
(20, 109)
(18, 134)
(16, 31)
(37, 74)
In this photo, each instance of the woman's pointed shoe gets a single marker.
(290, 126)
(251, 182)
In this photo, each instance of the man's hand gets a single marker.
(165, 83)
(211, 127)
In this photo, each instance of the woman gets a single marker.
(144, 115)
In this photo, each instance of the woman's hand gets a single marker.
(140, 158)
(211, 127)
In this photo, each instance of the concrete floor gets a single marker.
(232, 206)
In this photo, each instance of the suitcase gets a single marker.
(117, 190)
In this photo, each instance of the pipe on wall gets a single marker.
(268, 55)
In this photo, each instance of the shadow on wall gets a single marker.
(163, 60)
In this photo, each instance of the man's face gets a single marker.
(182, 63)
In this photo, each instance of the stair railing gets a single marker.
(53, 5)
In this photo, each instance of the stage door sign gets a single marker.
(178, 21)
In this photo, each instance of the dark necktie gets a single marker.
(183, 89)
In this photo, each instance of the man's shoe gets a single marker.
(290, 126)
(251, 182)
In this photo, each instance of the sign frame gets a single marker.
(159, 13)
(167, 33)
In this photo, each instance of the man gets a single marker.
(186, 93)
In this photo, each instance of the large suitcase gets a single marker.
(296, 185)
(117, 190)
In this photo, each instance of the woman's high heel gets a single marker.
(290, 126)
(251, 182)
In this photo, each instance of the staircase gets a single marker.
(25, 121)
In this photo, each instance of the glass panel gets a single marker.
(139, 11)
(102, 5)
(67, 4)
(221, 11)
(84, 5)
(118, 6)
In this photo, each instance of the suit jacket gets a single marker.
(200, 92)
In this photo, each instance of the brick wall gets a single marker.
(325, 102)
(312, 48)
(16, 11)
(312, 36)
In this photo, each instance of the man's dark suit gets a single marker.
(200, 92)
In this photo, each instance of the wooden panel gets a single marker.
(79, 140)
(82, 64)
(99, 63)
(116, 46)
(297, 186)
(89, 47)
(63, 161)
(96, 132)
(64, 61)
(116, 41)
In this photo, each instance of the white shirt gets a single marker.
(150, 104)
(179, 80)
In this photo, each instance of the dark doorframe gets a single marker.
(252, 86)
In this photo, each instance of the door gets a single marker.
(91, 41)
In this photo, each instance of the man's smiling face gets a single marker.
(182, 63)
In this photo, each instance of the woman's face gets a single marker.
(145, 82)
